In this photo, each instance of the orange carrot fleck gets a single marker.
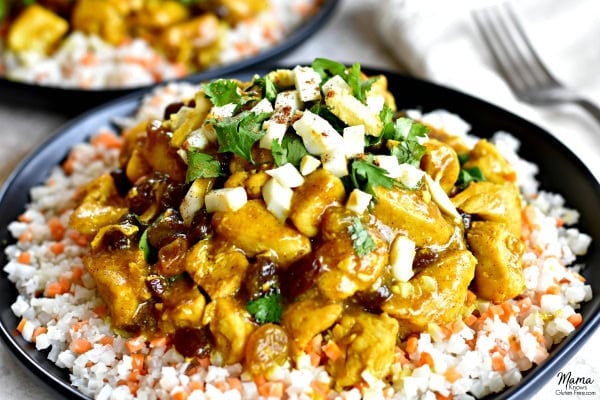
(57, 229)
(321, 389)
(235, 384)
(426, 358)
(332, 350)
(21, 325)
(498, 363)
(554, 289)
(107, 340)
(80, 239)
(470, 320)
(137, 361)
(452, 375)
(196, 385)
(101, 310)
(24, 258)
(181, 395)
(38, 331)
(24, 218)
(515, 344)
(26, 236)
(439, 396)
(108, 140)
(411, 344)
(575, 319)
(53, 289)
(271, 389)
(158, 341)
(81, 345)
(57, 248)
(135, 344)
(540, 337)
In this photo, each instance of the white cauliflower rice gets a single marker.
(88, 62)
(62, 314)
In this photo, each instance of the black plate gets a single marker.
(72, 101)
(561, 172)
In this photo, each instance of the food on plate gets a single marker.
(95, 44)
(295, 236)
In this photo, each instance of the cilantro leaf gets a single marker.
(362, 242)
(223, 91)
(145, 247)
(327, 68)
(365, 175)
(291, 149)
(266, 309)
(406, 133)
(468, 175)
(201, 165)
(237, 134)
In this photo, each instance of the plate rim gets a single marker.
(536, 376)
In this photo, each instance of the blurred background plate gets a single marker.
(72, 101)
(560, 171)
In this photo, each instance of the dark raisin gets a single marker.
(200, 228)
(166, 229)
(172, 108)
(192, 342)
(423, 258)
(261, 278)
(121, 181)
(299, 277)
(372, 301)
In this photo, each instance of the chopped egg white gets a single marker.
(354, 140)
(358, 201)
(287, 175)
(309, 164)
(278, 198)
(225, 199)
(402, 255)
(335, 162)
(274, 131)
(318, 135)
(307, 82)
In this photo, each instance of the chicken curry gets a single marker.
(258, 215)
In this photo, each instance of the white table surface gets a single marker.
(347, 37)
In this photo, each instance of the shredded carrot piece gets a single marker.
(426, 358)
(80, 239)
(135, 344)
(101, 310)
(158, 341)
(452, 375)
(575, 319)
(38, 331)
(137, 361)
(196, 385)
(321, 389)
(107, 340)
(515, 344)
(540, 337)
(21, 325)
(271, 389)
(439, 396)
(332, 350)
(24, 218)
(470, 320)
(181, 395)
(108, 140)
(26, 236)
(498, 362)
(411, 344)
(24, 258)
(554, 289)
(235, 384)
(57, 248)
(57, 229)
(81, 345)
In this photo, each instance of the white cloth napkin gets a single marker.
(439, 41)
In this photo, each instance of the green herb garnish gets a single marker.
(223, 91)
(201, 165)
(290, 150)
(327, 68)
(468, 175)
(362, 242)
(144, 246)
(406, 133)
(238, 134)
(365, 175)
(266, 309)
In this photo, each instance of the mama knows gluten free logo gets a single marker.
(570, 385)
